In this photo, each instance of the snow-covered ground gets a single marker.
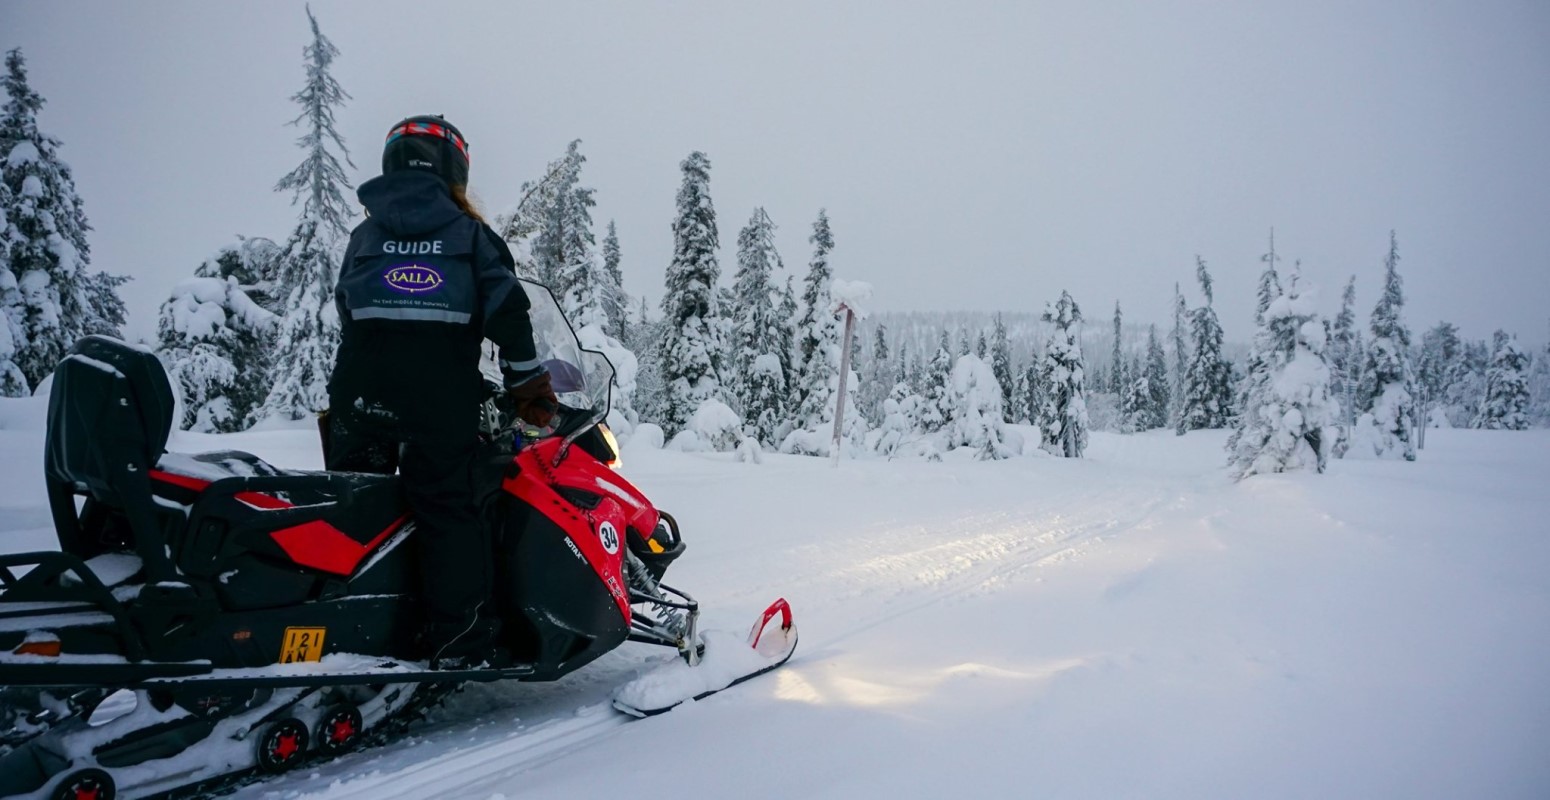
(1131, 624)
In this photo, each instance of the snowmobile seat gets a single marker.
(238, 504)
(110, 416)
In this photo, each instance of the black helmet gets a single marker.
(427, 142)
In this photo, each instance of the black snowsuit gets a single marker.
(421, 286)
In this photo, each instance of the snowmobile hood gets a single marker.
(409, 203)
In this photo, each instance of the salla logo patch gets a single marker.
(413, 278)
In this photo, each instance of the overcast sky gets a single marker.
(979, 156)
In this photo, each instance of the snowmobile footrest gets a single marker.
(37, 671)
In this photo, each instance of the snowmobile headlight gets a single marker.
(613, 445)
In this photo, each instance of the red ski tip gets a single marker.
(781, 606)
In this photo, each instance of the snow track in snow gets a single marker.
(844, 583)
(475, 770)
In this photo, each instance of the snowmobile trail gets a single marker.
(869, 579)
(1016, 544)
(478, 768)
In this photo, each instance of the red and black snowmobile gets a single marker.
(210, 617)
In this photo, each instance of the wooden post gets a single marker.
(839, 397)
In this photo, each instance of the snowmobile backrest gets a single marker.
(109, 416)
(111, 404)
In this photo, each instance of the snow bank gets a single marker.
(715, 427)
(25, 413)
(647, 436)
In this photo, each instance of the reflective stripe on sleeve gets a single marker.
(416, 314)
(521, 366)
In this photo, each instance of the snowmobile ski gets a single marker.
(726, 662)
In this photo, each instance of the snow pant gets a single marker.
(452, 542)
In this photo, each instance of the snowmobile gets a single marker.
(209, 618)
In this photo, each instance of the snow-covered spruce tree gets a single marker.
(1269, 282)
(1286, 406)
(818, 345)
(790, 356)
(106, 313)
(252, 262)
(1180, 341)
(900, 431)
(1539, 388)
(691, 336)
(1435, 365)
(307, 335)
(644, 338)
(725, 302)
(550, 233)
(1207, 398)
(213, 340)
(878, 377)
(1388, 392)
(1118, 380)
(1256, 367)
(12, 382)
(911, 369)
(521, 226)
(586, 294)
(903, 364)
(1506, 403)
(615, 302)
(214, 336)
(564, 250)
(57, 300)
(1153, 410)
(1345, 355)
(756, 380)
(1016, 410)
(981, 347)
(974, 419)
(936, 410)
(1019, 412)
(1033, 392)
(1001, 365)
(1465, 392)
(1131, 401)
(590, 291)
(1063, 413)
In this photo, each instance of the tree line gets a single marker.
(753, 364)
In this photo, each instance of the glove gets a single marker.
(535, 401)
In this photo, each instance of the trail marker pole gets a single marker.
(839, 397)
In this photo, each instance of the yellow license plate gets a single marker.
(302, 644)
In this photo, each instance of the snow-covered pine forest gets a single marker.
(742, 352)
(1087, 544)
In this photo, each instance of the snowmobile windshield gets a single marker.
(582, 378)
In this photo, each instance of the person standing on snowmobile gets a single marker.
(424, 281)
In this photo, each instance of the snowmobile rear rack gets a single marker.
(44, 585)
